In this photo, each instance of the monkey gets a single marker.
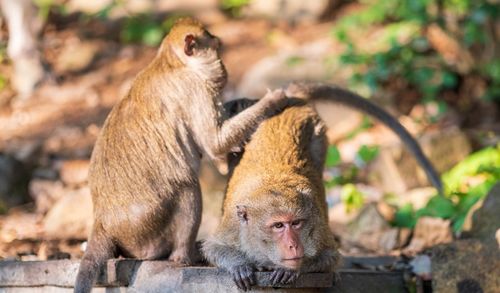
(144, 167)
(275, 215)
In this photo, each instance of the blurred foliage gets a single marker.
(466, 183)
(143, 29)
(365, 155)
(3, 56)
(332, 156)
(294, 61)
(233, 7)
(45, 6)
(408, 56)
(351, 197)
(366, 123)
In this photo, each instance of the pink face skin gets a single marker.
(286, 230)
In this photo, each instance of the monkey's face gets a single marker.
(276, 232)
(285, 230)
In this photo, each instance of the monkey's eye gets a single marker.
(297, 224)
(278, 226)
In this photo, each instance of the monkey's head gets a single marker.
(279, 228)
(194, 47)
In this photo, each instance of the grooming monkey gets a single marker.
(275, 214)
(144, 167)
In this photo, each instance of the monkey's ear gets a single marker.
(189, 43)
(241, 211)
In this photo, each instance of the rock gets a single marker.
(289, 10)
(19, 225)
(74, 172)
(394, 164)
(417, 197)
(305, 63)
(71, 217)
(421, 266)
(371, 231)
(75, 56)
(71, 142)
(45, 193)
(486, 220)
(465, 266)
(387, 211)
(429, 232)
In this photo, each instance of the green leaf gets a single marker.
(405, 216)
(366, 154)
(440, 206)
(332, 156)
(351, 197)
(470, 166)
(294, 61)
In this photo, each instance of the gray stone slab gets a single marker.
(161, 276)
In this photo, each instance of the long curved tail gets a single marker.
(328, 93)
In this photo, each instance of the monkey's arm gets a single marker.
(232, 260)
(222, 254)
(235, 130)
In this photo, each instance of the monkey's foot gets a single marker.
(283, 276)
(243, 276)
(180, 259)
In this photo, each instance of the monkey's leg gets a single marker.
(185, 224)
(99, 250)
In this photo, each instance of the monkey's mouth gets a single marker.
(292, 262)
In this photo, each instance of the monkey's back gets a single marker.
(281, 153)
(127, 175)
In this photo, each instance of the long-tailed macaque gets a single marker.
(144, 167)
(275, 213)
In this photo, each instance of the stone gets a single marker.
(71, 216)
(160, 276)
(74, 172)
(306, 63)
(396, 170)
(45, 193)
(465, 266)
(486, 220)
(76, 55)
(371, 231)
(429, 232)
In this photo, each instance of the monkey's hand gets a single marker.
(275, 101)
(283, 276)
(243, 276)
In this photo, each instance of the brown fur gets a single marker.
(144, 167)
(279, 175)
(280, 172)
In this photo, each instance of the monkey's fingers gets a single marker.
(290, 277)
(277, 99)
(243, 277)
(277, 276)
(283, 276)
